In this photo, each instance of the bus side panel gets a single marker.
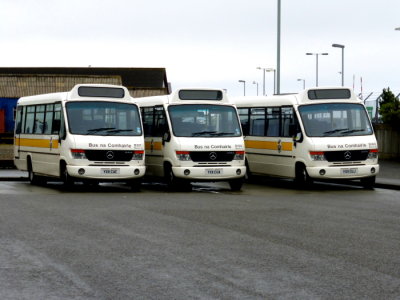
(154, 156)
(43, 151)
(270, 156)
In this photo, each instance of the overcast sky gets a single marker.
(210, 42)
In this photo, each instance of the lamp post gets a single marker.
(278, 50)
(272, 70)
(304, 82)
(244, 86)
(341, 47)
(263, 70)
(255, 82)
(316, 55)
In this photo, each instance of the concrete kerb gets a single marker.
(388, 177)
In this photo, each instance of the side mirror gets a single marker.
(166, 137)
(298, 138)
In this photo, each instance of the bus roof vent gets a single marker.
(207, 95)
(329, 94)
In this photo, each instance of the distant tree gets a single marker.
(390, 109)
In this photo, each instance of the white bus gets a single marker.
(320, 133)
(193, 135)
(92, 134)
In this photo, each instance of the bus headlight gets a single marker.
(239, 155)
(138, 155)
(317, 155)
(373, 153)
(78, 154)
(183, 155)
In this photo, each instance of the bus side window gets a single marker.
(160, 124)
(148, 120)
(18, 120)
(273, 122)
(244, 120)
(257, 122)
(287, 119)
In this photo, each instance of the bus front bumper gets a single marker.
(107, 173)
(214, 173)
(343, 172)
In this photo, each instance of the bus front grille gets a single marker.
(346, 156)
(109, 155)
(212, 156)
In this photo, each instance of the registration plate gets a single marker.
(349, 171)
(214, 171)
(110, 171)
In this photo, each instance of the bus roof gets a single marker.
(187, 96)
(308, 96)
(82, 92)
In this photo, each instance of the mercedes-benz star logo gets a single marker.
(347, 155)
(110, 155)
(213, 155)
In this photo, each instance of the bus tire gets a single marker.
(236, 184)
(135, 185)
(368, 182)
(173, 183)
(65, 177)
(33, 178)
(302, 178)
(248, 175)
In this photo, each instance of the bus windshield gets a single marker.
(203, 120)
(103, 118)
(335, 119)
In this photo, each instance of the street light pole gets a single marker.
(244, 86)
(272, 70)
(342, 47)
(316, 55)
(278, 50)
(263, 70)
(255, 82)
(304, 82)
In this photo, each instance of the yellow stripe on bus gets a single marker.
(269, 145)
(38, 143)
(153, 145)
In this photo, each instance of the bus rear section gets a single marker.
(96, 136)
(193, 135)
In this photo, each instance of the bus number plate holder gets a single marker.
(349, 171)
(214, 171)
(110, 171)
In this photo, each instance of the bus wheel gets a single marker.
(173, 183)
(134, 184)
(302, 178)
(248, 175)
(368, 182)
(33, 178)
(66, 178)
(236, 184)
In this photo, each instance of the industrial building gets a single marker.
(19, 82)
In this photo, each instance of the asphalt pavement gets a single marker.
(388, 177)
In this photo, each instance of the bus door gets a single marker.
(269, 143)
(154, 125)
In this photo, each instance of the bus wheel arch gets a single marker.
(33, 178)
(65, 177)
(301, 175)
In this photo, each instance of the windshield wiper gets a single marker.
(95, 130)
(354, 130)
(203, 133)
(335, 130)
(224, 133)
(111, 131)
